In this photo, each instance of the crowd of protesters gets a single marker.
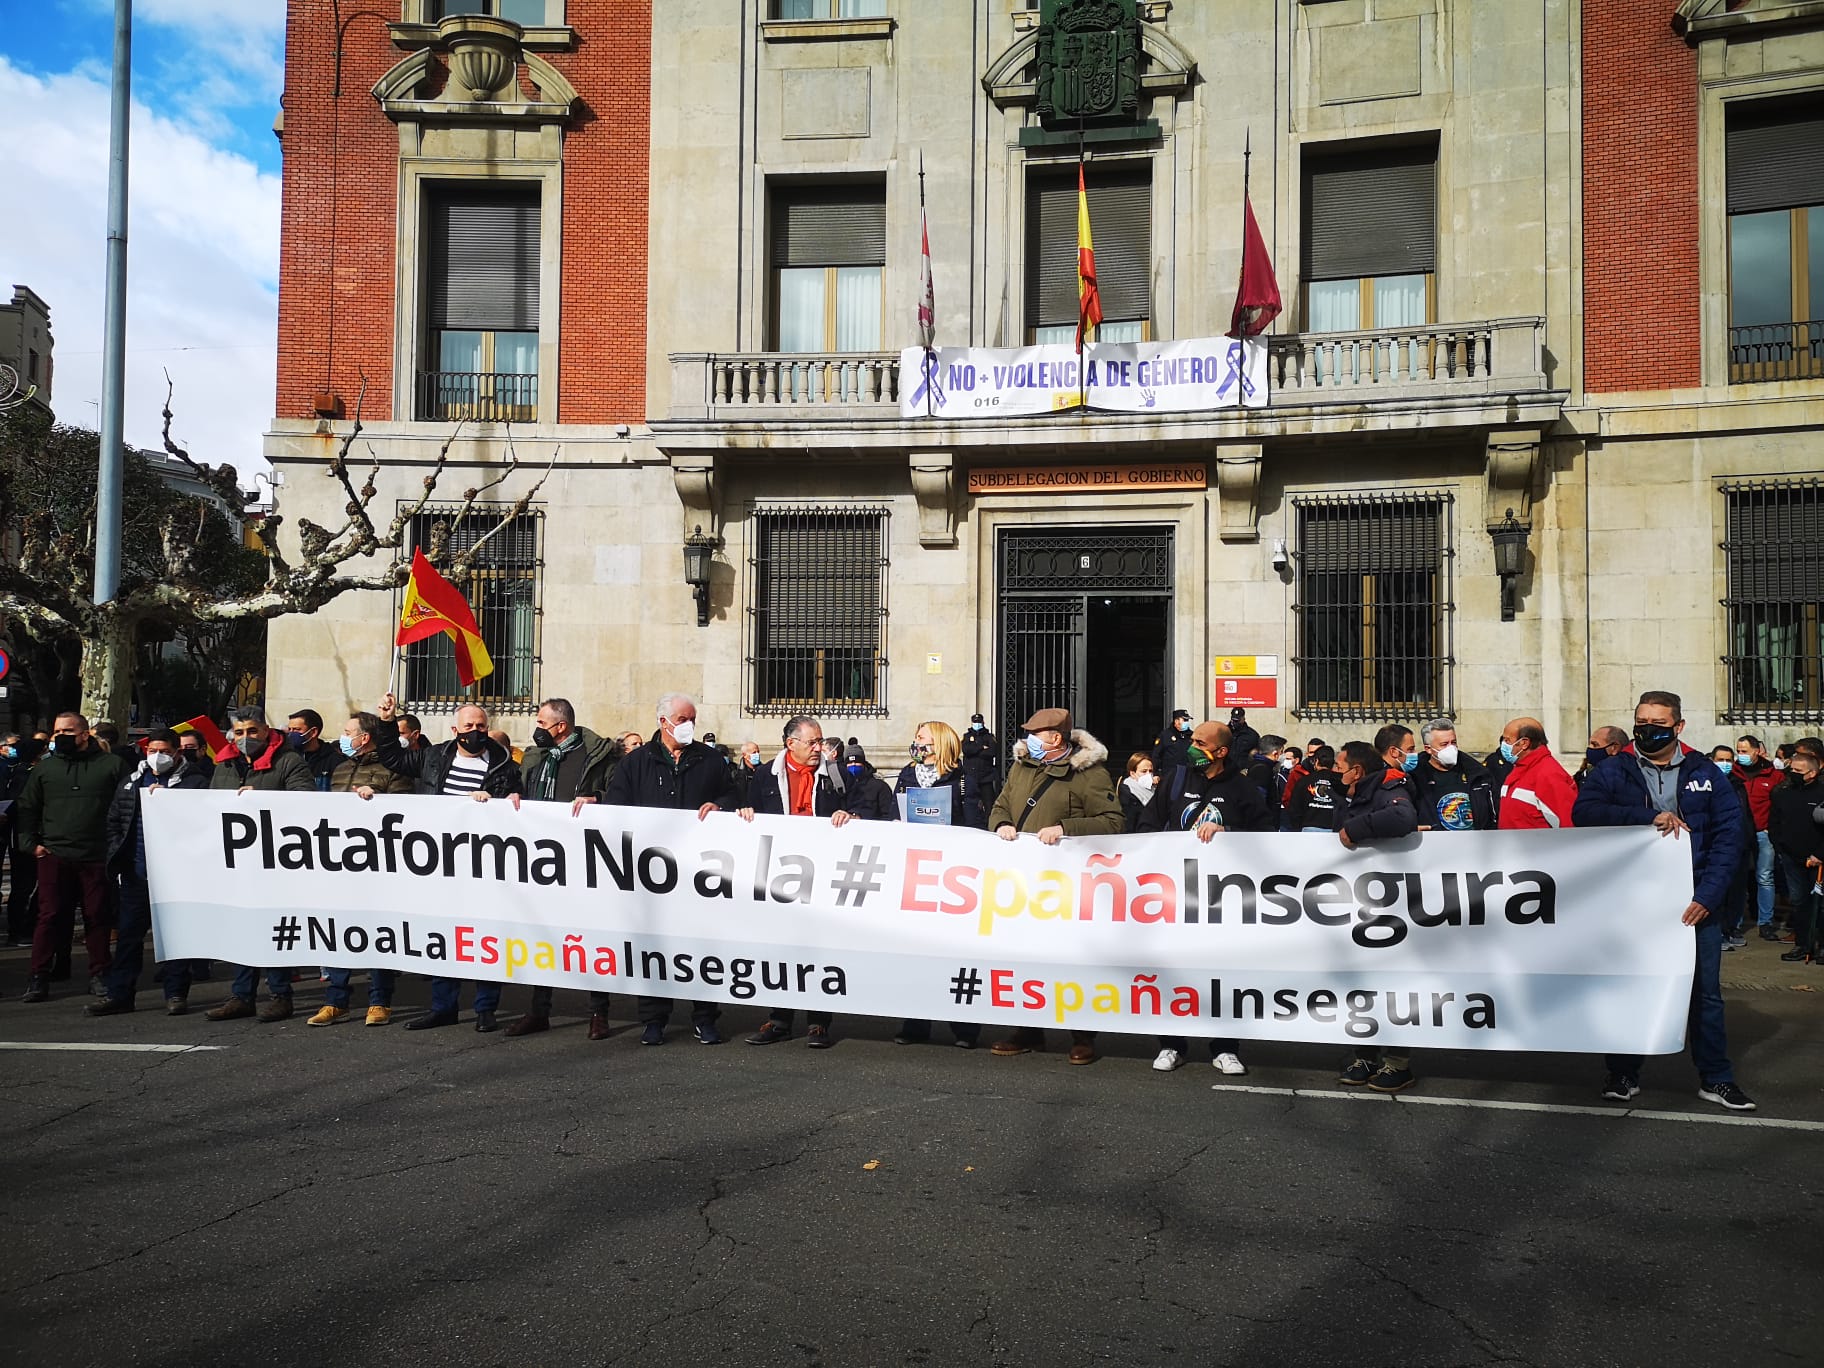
(1754, 824)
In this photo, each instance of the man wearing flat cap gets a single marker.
(1058, 785)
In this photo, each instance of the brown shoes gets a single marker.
(1083, 1054)
(528, 1025)
(277, 1008)
(233, 1008)
(598, 1026)
(1023, 1041)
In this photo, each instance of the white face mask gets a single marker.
(160, 763)
(684, 732)
(1141, 784)
(1447, 756)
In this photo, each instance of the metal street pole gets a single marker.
(114, 325)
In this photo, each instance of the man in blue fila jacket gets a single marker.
(1662, 782)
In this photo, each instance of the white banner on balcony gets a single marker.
(1187, 376)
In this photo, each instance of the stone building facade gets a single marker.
(1511, 411)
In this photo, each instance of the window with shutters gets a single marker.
(1774, 151)
(1774, 552)
(1374, 605)
(503, 589)
(817, 610)
(1370, 237)
(829, 246)
(1120, 195)
(481, 251)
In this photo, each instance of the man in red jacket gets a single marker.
(1757, 776)
(1537, 794)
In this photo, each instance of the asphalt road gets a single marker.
(315, 1197)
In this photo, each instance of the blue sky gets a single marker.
(203, 234)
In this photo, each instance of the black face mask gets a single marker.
(543, 739)
(64, 745)
(1650, 738)
(474, 742)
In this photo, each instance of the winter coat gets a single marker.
(1462, 798)
(324, 761)
(1265, 774)
(1170, 749)
(583, 771)
(1538, 795)
(1080, 798)
(967, 805)
(278, 768)
(126, 833)
(368, 771)
(63, 804)
(647, 777)
(1758, 783)
(1794, 809)
(769, 791)
(1380, 808)
(870, 797)
(426, 766)
(982, 763)
(1615, 794)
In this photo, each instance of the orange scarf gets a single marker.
(801, 786)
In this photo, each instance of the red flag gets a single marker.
(1089, 297)
(211, 734)
(1257, 301)
(927, 295)
(433, 605)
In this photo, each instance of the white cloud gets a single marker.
(203, 245)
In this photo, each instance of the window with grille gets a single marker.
(1774, 153)
(1774, 551)
(1120, 196)
(503, 588)
(481, 303)
(1374, 605)
(817, 609)
(1370, 237)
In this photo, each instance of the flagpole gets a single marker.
(1082, 370)
(924, 230)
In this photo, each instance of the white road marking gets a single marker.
(1562, 1109)
(103, 1047)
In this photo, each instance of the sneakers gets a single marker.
(1167, 1060)
(98, 987)
(1388, 1079)
(378, 1016)
(1229, 1062)
(277, 1008)
(706, 1033)
(770, 1034)
(327, 1016)
(1358, 1072)
(231, 1010)
(1620, 1087)
(1769, 934)
(1726, 1095)
(819, 1038)
(36, 991)
(653, 1033)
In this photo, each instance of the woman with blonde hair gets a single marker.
(937, 763)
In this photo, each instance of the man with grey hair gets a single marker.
(473, 765)
(674, 770)
(262, 763)
(1455, 791)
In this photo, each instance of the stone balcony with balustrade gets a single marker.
(1445, 375)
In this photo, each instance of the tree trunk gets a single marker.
(107, 669)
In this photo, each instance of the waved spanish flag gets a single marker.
(433, 605)
(1089, 298)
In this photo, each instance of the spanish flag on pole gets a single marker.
(1089, 298)
(433, 605)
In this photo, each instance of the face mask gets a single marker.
(1182, 726)
(348, 746)
(250, 746)
(977, 726)
(1035, 748)
(12, 752)
(542, 739)
(1141, 784)
(753, 761)
(297, 740)
(1447, 756)
(1653, 737)
(1778, 763)
(1595, 755)
(475, 742)
(684, 732)
(160, 763)
(853, 769)
(1409, 761)
(1507, 752)
(1724, 765)
(1744, 759)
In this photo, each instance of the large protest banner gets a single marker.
(1184, 376)
(1565, 940)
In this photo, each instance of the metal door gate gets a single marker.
(1045, 578)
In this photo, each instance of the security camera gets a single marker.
(1280, 559)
